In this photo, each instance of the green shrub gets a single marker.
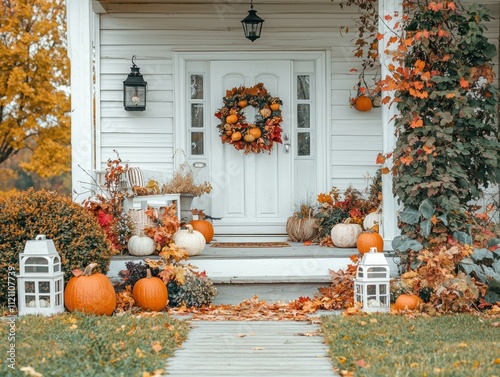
(76, 234)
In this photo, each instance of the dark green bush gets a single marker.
(77, 236)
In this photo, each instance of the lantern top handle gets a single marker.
(41, 237)
(133, 62)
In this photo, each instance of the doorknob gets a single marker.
(286, 139)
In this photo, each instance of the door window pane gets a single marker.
(196, 86)
(303, 115)
(196, 115)
(304, 143)
(197, 143)
(303, 87)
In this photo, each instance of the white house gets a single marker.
(199, 46)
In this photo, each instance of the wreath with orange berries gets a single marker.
(255, 137)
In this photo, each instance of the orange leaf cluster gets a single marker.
(166, 224)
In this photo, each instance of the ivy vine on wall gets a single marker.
(447, 149)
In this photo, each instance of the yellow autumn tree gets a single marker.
(34, 78)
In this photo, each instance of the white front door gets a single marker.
(252, 193)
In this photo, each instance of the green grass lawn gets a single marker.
(391, 345)
(80, 345)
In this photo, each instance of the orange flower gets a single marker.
(324, 198)
(464, 83)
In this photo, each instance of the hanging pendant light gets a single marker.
(134, 90)
(252, 24)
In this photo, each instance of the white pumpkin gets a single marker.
(193, 241)
(141, 245)
(346, 235)
(372, 219)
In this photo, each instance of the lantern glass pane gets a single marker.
(197, 115)
(135, 96)
(29, 301)
(383, 289)
(29, 287)
(58, 299)
(371, 289)
(57, 267)
(303, 87)
(373, 301)
(36, 260)
(376, 272)
(360, 271)
(45, 302)
(58, 285)
(43, 287)
(37, 269)
(196, 86)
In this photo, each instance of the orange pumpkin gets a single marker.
(243, 103)
(255, 132)
(248, 137)
(363, 103)
(407, 301)
(90, 292)
(275, 106)
(232, 119)
(368, 240)
(235, 136)
(205, 227)
(150, 293)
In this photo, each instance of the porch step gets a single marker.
(272, 274)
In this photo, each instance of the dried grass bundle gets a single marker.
(183, 182)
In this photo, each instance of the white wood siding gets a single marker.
(147, 138)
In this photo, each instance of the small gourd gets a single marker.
(265, 112)
(345, 234)
(407, 301)
(236, 136)
(255, 132)
(363, 103)
(372, 219)
(90, 292)
(193, 241)
(248, 137)
(231, 119)
(150, 293)
(141, 245)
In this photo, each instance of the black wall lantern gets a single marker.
(252, 24)
(134, 90)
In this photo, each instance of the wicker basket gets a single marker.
(140, 220)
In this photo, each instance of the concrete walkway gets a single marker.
(250, 349)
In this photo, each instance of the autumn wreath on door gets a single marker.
(265, 130)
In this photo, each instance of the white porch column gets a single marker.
(80, 31)
(389, 228)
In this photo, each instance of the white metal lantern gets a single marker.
(372, 283)
(40, 282)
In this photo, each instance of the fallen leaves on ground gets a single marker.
(249, 310)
